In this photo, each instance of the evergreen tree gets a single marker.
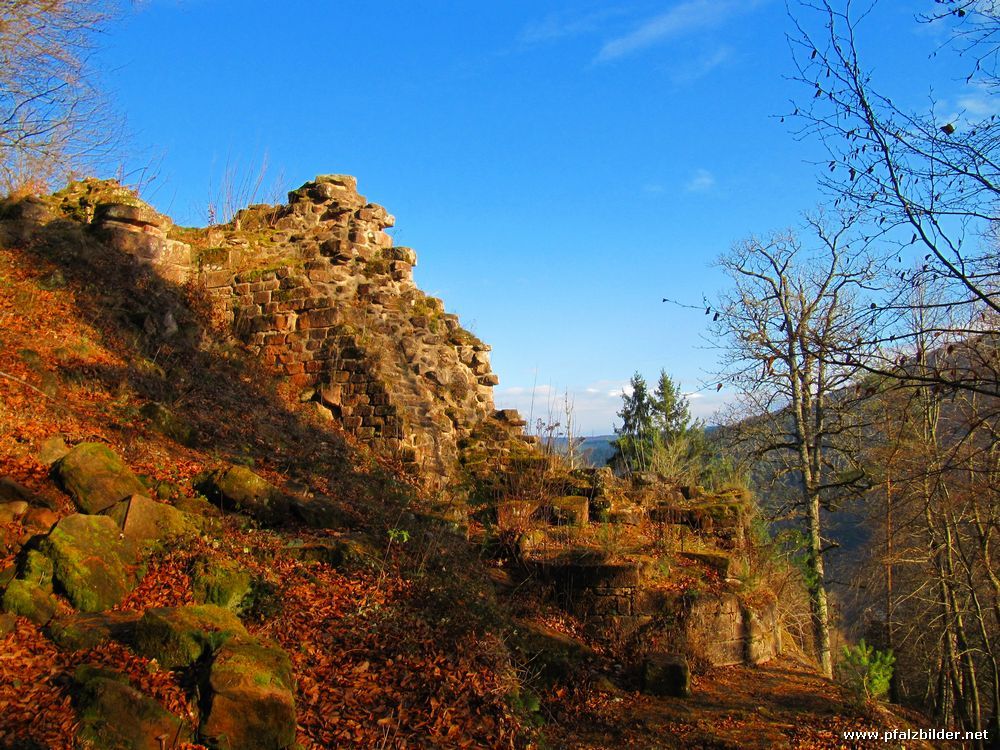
(634, 446)
(672, 411)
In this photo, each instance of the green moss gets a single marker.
(96, 477)
(78, 200)
(115, 716)
(38, 569)
(29, 600)
(179, 636)
(220, 582)
(212, 256)
(290, 263)
(92, 563)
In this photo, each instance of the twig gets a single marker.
(29, 385)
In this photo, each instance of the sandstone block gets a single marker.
(252, 703)
(667, 675)
(96, 478)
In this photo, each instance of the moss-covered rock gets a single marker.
(725, 565)
(38, 569)
(29, 600)
(238, 488)
(92, 564)
(197, 506)
(89, 629)
(251, 703)
(340, 553)
(220, 582)
(96, 478)
(147, 522)
(115, 716)
(179, 636)
(319, 513)
(166, 422)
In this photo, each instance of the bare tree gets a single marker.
(51, 115)
(789, 310)
(924, 183)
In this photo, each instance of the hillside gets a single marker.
(255, 494)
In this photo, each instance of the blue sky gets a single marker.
(558, 167)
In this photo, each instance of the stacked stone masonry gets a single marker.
(319, 292)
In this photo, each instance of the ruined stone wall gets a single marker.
(621, 602)
(318, 291)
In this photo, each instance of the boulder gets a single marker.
(96, 478)
(146, 522)
(30, 600)
(52, 450)
(86, 630)
(40, 520)
(554, 655)
(251, 702)
(115, 716)
(11, 491)
(164, 421)
(340, 553)
(238, 488)
(220, 582)
(666, 674)
(180, 636)
(93, 565)
(197, 506)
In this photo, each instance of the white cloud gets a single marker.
(683, 18)
(595, 405)
(693, 70)
(979, 105)
(557, 26)
(701, 182)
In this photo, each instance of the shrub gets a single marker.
(865, 672)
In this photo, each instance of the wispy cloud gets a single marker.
(701, 182)
(690, 71)
(979, 105)
(652, 187)
(558, 26)
(683, 18)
